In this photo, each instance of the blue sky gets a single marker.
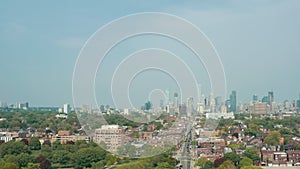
(257, 41)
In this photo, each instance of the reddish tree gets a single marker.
(25, 141)
(47, 142)
(70, 142)
(219, 161)
(44, 162)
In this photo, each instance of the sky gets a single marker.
(257, 42)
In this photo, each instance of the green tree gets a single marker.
(86, 156)
(23, 159)
(13, 147)
(32, 166)
(232, 156)
(10, 166)
(200, 162)
(227, 165)
(100, 164)
(253, 130)
(34, 143)
(9, 158)
(208, 165)
(246, 162)
(251, 153)
(164, 165)
(251, 167)
(60, 157)
(273, 138)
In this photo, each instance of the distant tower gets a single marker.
(255, 98)
(176, 100)
(298, 102)
(270, 97)
(233, 101)
(66, 108)
(168, 96)
(265, 99)
(212, 103)
(199, 93)
(190, 106)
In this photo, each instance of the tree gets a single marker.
(227, 165)
(164, 165)
(219, 161)
(232, 157)
(86, 156)
(35, 143)
(251, 153)
(25, 141)
(100, 164)
(23, 159)
(208, 165)
(14, 148)
(32, 166)
(60, 156)
(10, 166)
(246, 162)
(200, 162)
(273, 138)
(253, 130)
(44, 162)
(251, 167)
(56, 145)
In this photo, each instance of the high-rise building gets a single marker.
(265, 99)
(176, 102)
(3, 104)
(298, 102)
(190, 106)
(227, 104)
(233, 101)
(255, 98)
(287, 105)
(168, 99)
(67, 108)
(199, 93)
(183, 110)
(148, 105)
(218, 101)
(270, 97)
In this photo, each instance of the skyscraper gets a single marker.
(255, 98)
(265, 99)
(190, 106)
(66, 108)
(270, 97)
(176, 104)
(298, 102)
(233, 101)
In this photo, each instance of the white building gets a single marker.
(219, 115)
(66, 108)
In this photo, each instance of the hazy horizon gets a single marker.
(257, 43)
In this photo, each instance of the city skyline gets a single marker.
(256, 44)
(173, 100)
